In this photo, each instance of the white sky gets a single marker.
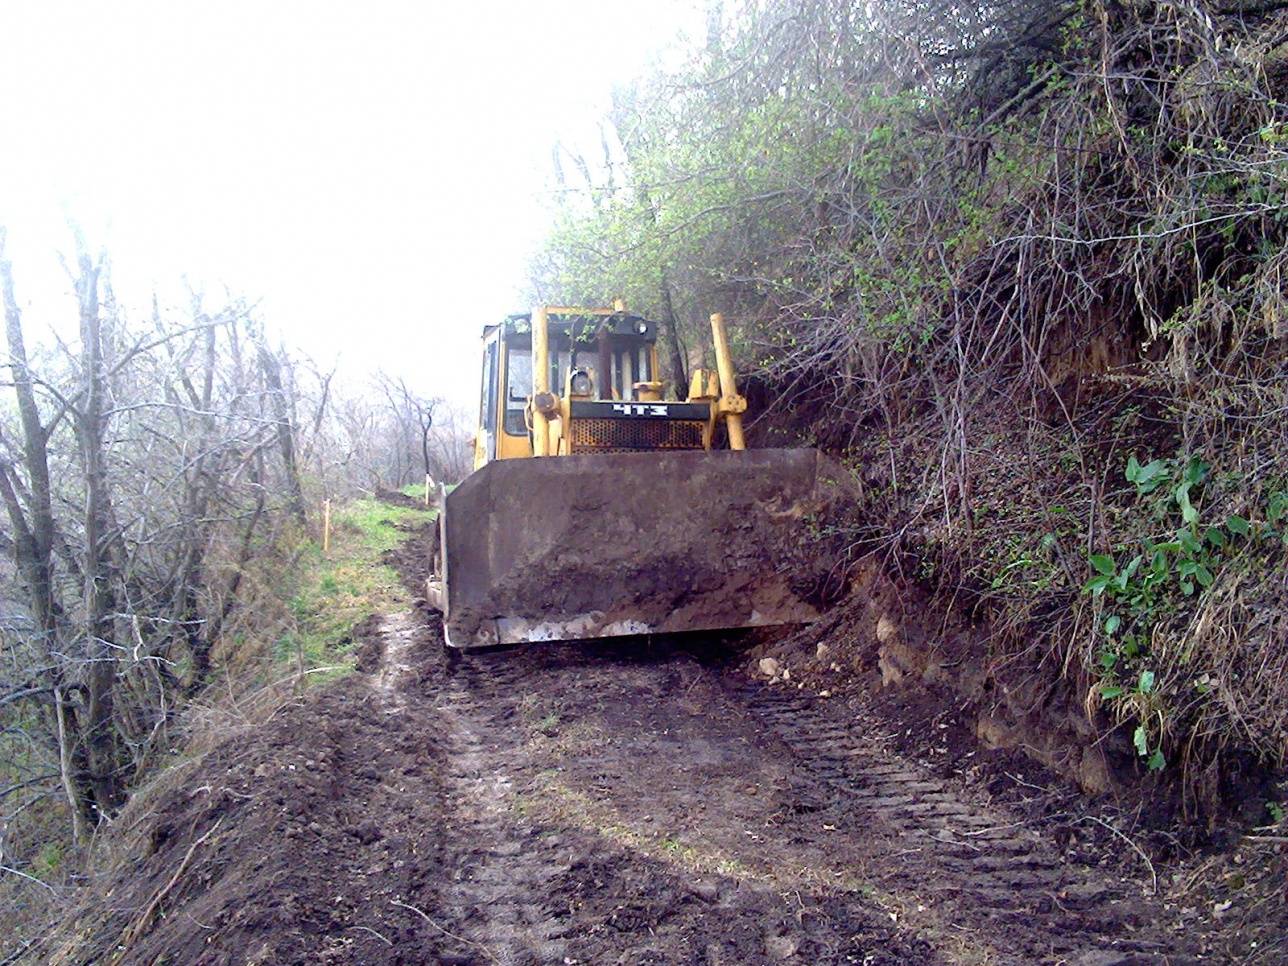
(371, 171)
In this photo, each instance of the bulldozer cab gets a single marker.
(593, 355)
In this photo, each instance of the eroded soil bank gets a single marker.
(627, 802)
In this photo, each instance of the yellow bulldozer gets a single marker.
(601, 509)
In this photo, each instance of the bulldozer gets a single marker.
(599, 508)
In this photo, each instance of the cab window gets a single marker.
(487, 405)
(518, 388)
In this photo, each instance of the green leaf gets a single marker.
(1156, 761)
(1215, 536)
(1150, 476)
(1141, 740)
(1146, 683)
(1112, 623)
(1187, 588)
(1188, 513)
(1196, 471)
(1133, 469)
(1108, 659)
(1237, 524)
(1277, 508)
(1203, 576)
(1152, 469)
(1108, 691)
(1096, 585)
(1103, 564)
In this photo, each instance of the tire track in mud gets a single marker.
(531, 883)
(628, 802)
(496, 885)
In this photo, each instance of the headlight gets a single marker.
(580, 384)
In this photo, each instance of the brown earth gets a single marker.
(623, 802)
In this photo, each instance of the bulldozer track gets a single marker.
(987, 865)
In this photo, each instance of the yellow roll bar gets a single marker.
(730, 404)
(540, 382)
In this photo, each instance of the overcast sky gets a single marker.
(371, 171)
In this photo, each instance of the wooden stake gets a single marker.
(428, 483)
(326, 526)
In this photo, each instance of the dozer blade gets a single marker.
(578, 547)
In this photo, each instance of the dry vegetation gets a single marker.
(161, 478)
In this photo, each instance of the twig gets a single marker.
(383, 939)
(1021, 781)
(32, 878)
(450, 935)
(1152, 874)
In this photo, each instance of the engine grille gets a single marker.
(633, 435)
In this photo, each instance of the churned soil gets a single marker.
(629, 802)
(311, 838)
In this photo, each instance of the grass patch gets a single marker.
(335, 591)
(48, 860)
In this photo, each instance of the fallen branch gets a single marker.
(1152, 874)
(30, 878)
(382, 938)
(450, 935)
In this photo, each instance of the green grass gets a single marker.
(334, 592)
(47, 860)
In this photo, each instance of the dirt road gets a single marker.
(627, 802)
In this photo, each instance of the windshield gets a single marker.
(518, 384)
(518, 388)
(520, 381)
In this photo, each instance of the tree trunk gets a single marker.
(34, 537)
(100, 597)
(679, 372)
(285, 431)
(34, 557)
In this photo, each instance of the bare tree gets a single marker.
(137, 479)
(413, 415)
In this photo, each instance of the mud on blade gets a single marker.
(603, 545)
